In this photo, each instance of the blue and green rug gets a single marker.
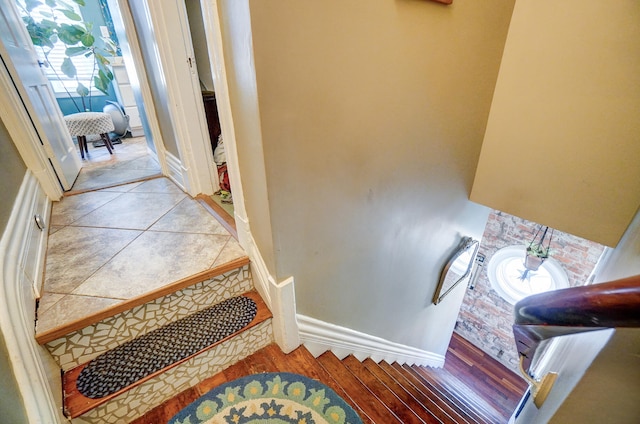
(270, 398)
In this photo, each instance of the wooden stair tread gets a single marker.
(460, 393)
(311, 367)
(360, 393)
(422, 394)
(402, 392)
(76, 404)
(388, 397)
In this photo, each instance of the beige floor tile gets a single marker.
(71, 308)
(232, 250)
(189, 216)
(47, 301)
(153, 260)
(132, 210)
(72, 208)
(123, 188)
(74, 253)
(157, 185)
(55, 228)
(131, 160)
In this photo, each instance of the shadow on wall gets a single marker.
(485, 318)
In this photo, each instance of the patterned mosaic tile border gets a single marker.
(83, 345)
(143, 398)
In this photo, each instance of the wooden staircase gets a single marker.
(471, 388)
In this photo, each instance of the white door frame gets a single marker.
(211, 20)
(145, 90)
(194, 169)
(18, 123)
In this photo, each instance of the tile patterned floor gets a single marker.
(110, 245)
(130, 161)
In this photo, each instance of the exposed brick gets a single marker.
(485, 318)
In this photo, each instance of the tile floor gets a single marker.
(113, 244)
(130, 161)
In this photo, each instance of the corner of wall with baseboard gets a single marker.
(35, 372)
(319, 336)
(279, 297)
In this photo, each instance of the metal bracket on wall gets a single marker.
(478, 265)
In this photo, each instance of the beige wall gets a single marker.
(372, 115)
(236, 30)
(561, 146)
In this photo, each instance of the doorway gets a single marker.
(67, 73)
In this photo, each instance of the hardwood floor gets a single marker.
(471, 388)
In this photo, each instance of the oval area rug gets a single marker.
(269, 398)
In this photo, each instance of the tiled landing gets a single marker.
(130, 161)
(112, 247)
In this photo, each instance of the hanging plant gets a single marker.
(46, 31)
(536, 252)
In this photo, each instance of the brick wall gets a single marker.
(485, 318)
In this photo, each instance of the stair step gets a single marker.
(460, 394)
(403, 394)
(308, 365)
(82, 394)
(429, 397)
(438, 409)
(392, 399)
(85, 344)
(449, 399)
(51, 334)
(364, 396)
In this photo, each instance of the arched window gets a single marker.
(513, 281)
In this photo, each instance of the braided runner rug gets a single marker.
(156, 350)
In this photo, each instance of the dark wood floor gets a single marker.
(471, 388)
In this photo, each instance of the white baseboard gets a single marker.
(176, 171)
(22, 239)
(319, 336)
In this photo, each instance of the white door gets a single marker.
(37, 94)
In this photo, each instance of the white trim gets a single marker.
(283, 307)
(24, 136)
(175, 171)
(280, 298)
(213, 32)
(186, 106)
(17, 309)
(319, 336)
(123, 9)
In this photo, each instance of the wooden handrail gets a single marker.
(575, 310)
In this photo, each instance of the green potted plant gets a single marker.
(536, 252)
(535, 256)
(43, 22)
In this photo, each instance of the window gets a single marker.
(513, 282)
(84, 65)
